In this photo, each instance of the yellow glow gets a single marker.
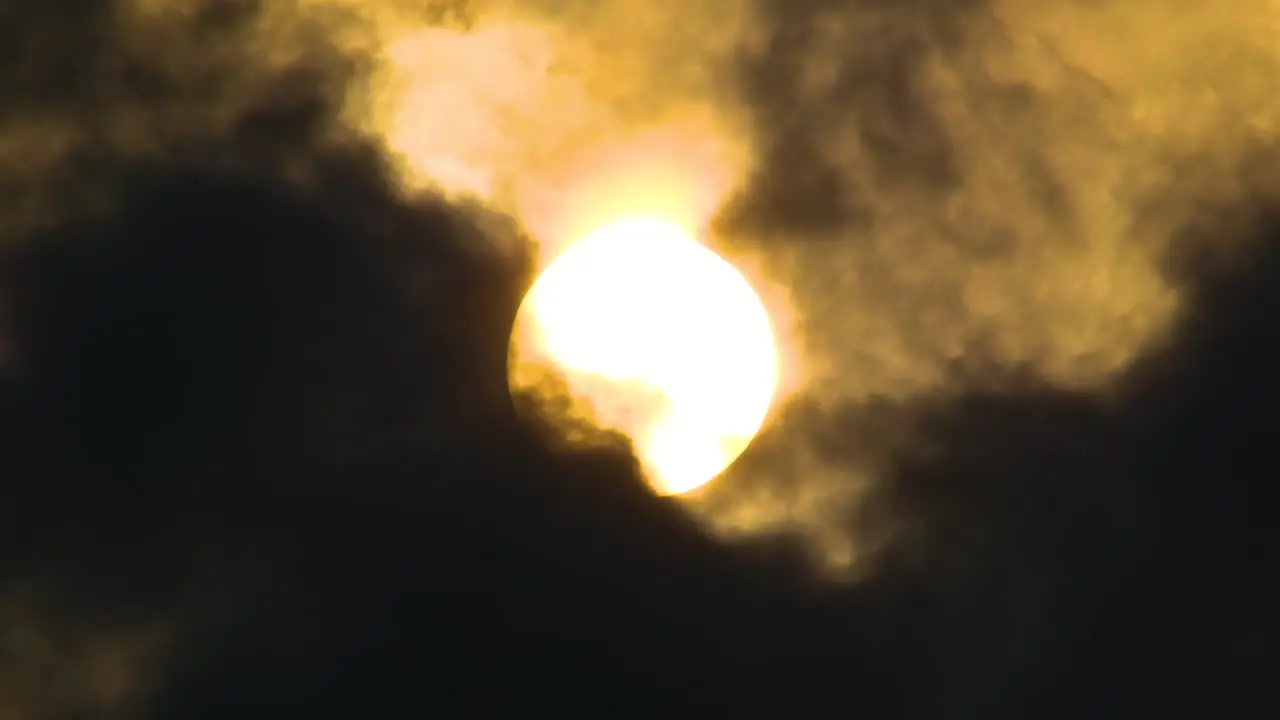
(664, 339)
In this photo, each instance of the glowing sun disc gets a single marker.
(664, 340)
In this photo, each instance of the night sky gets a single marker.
(258, 458)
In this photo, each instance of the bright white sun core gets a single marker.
(660, 339)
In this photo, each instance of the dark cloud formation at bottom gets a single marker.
(270, 419)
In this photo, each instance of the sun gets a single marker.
(656, 337)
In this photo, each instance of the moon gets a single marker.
(657, 337)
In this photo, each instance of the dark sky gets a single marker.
(257, 457)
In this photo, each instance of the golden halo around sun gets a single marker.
(655, 336)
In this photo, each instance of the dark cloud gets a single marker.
(258, 459)
(830, 75)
